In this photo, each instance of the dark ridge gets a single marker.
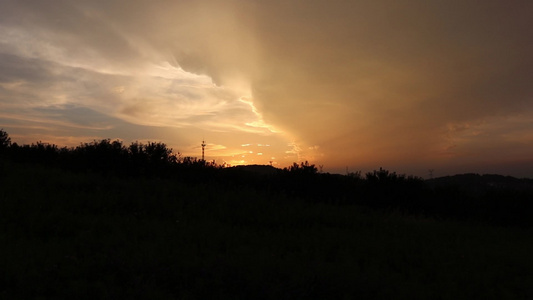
(257, 169)
(471, 181)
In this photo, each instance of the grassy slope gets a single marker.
(85, 236)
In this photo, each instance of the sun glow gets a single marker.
(267, 81)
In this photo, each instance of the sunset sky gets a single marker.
(406, 85)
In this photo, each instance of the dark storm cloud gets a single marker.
(386, 78)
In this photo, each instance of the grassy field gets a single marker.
(87, 236)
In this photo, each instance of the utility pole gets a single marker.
(203, 150)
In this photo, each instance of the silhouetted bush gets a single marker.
(303, 168)
(389, 190)
(5, 140)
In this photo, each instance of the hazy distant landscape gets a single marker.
(105, 220)
(237, 149)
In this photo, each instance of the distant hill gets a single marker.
(472, 181)
(257, 169)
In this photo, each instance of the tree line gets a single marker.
(379, 189)
(103, 156)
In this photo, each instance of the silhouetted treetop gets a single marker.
(302, 168)
(5, 140)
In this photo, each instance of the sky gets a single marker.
(410, 86)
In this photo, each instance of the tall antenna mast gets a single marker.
(203, 149)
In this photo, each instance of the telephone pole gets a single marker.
(203, 150)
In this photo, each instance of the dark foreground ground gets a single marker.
(86, 236)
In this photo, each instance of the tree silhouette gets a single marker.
(302, 168)
(5, 140)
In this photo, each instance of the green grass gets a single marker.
(84, 236)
